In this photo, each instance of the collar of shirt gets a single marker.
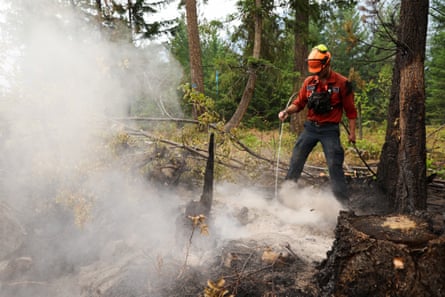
(330, 79)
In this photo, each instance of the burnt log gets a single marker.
(392, 255)
(204, 205)
(197, 212)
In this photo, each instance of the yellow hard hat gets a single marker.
(318, 58)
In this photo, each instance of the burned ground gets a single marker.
(248, 274)
(251, 267)
(45, 258)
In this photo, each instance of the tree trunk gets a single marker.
(411, 191)
(402, 168)
(196, 74)
(388, 167)
(301, 34)
(395, 255)
(250, 85)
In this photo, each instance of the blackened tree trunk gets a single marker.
(253, 66)
(404, 151)
(301, 34)
(388, 166)
(411, 191)
(196, 73)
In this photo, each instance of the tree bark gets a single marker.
(411, 191)
(250, 85)
(388, 167)
(394, 255)
(196, 73)
(301, 34)
(402, 168)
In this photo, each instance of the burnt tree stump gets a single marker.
(392, 255)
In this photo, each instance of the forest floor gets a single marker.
(300, 230)
(266, 238)
(294, 271)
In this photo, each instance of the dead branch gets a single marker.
(149, 119)
(195, 150)
(241, 146)
(435, 131)
(27, 283)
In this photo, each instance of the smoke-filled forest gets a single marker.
(141, 153)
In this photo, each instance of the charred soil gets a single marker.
(369, 257)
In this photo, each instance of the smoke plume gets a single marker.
(64, 80)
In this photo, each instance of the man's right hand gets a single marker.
(282, 115)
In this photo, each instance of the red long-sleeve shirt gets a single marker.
(342, 98)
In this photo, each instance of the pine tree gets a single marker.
(435, 105)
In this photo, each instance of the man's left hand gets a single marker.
(351, 137)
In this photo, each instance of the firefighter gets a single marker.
(327, 94)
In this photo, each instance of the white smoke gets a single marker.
(303, 217)
(64, 82)
(63, 85)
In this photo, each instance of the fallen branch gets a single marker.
(195, 150)
(241, 146)
(435, 131)
(190, 121)
(26, 283)
(358, 151)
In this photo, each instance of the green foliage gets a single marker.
(251, 140)
(373, 97)
(346, 38)
(435, 75)
(178, 46)
(359, 41)
(128, 20)
(436, 150)
(136, 13)
(203, 103)
(275, 73)
(217, 58)
(220, 65)
(343, 36)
